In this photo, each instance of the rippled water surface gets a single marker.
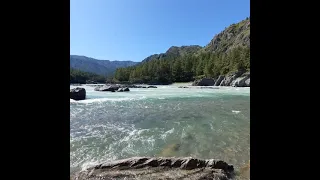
(167, 121)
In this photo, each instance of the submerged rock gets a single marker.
(170, 150)
(78, 94)
(244, 171)
(152, 86)
(158, 168)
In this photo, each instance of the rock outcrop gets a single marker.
(229, 78)
(158, 168)
(236, 79)
(78, 94)
(240, 81)
(218, 81)
(203, 82)
(247, 82)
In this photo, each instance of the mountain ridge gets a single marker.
(101, 67)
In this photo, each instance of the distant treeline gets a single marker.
(81, 77)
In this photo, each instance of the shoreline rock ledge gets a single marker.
(157, 168)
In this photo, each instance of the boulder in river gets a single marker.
(123, 89)
(203, 82)
(152, 86)
(78, 93)
(158, 168)
(111, 88)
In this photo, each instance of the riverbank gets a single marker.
(157, 168)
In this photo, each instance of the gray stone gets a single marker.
(240, 81)
(227, 81)
(203, 82)
(111, 88)
(78, 93)
(158, 168)
(247, 82)
(218, 81)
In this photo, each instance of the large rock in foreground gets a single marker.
(78, 94)
(158, 168)
(203, 82)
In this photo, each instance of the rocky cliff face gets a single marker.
(237, 79)
(233, 36)
(158, 168)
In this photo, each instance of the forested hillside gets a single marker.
(227, 52)
(81, 77)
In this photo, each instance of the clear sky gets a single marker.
(135, 29)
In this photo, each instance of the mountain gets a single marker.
(227, 53)
(234, 36)
(174, 51)
(101, 67)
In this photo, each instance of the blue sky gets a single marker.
(135, 29)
